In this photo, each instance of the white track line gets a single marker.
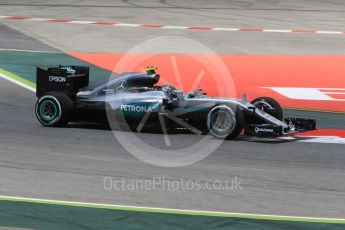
(126, 25)
(31, 51)
(317, 139)
(116, 24)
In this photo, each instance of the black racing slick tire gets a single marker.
(270, 106)
(225, 122)
(54, 109)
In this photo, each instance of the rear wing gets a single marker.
(67, 79)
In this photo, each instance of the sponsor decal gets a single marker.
(57, 79)
(257, 130)
(136, 108)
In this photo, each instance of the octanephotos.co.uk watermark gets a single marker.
(164, 184)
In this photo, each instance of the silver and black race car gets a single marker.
(136, 101)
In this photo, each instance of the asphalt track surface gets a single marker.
(285, 178)
(320, 15)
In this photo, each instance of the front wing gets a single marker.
(293, 125)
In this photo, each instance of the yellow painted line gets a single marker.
(17, 80)
(174, 211)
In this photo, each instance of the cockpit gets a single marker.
(147, 82)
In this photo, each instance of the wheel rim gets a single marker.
(222, 123)
(48, 111)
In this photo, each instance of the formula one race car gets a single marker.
(134, 99)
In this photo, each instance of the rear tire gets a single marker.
(270, 106)
(224, 122)
(54, 109)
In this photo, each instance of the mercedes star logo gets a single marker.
(122, 85)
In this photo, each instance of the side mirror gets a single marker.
(177, 95)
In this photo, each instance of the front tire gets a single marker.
(54, 109)
(270, 106)
(224, 122)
